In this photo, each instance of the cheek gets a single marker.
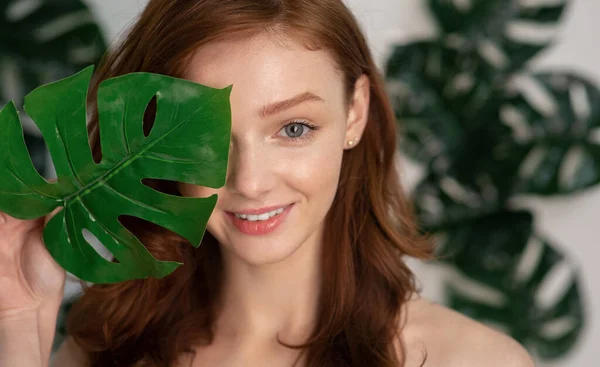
(195, 191)
(315, 171)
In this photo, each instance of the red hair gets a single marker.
(368, 229)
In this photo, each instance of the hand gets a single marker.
(29, 276)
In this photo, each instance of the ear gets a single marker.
(358, 112)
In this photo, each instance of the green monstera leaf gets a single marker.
(502, 266)
(441, 95)
(557, 146)
(443, 202)
(484, 137)
(506, 271)
(189, 142)
(490, 27)
(42, 41)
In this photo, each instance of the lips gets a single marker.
(259, 227)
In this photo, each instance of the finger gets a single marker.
(8, 219)
(52, 214)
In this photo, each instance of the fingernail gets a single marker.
(2, 218)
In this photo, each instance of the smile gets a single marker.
(261, 217)
(257, 223)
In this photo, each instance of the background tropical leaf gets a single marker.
(189, 142)
(449, 101)
(442, 203)
(46, 40)
(42, 41)
(487, 132)
(557, 142)
(514, 268)
(488, 27)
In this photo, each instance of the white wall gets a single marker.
(572, 221)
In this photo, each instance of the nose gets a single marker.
(250, 171)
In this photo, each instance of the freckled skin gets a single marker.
(267, 167)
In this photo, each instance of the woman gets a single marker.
(302, 261)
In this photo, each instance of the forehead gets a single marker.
(263, 71)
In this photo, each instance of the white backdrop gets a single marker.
(572, 222)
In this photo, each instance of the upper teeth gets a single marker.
(264, 216)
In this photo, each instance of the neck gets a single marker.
(271, 301)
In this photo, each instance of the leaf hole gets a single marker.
(514, 118)
(165, 186)
(580, 100)
(463, 82)
(459, 193)
(431, 206)
(530, 32)
(558, 327)
(593, 136)
(529, 259)
(456, 41)
(149, 116)
(476, 291)
(18, 10)
(98, 246)
(162, 243)
(462, 5)
(62, 25)
(570, 166)
(85, 53)
(493, 54)
(555, 285)
(532, 161)
(539, 97)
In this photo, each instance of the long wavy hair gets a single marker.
(368, 229)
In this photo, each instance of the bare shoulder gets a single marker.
(69, 355)
(450, 339)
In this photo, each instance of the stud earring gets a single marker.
(352, 142)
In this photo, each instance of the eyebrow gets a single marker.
(288, 103)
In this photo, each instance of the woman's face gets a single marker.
(290, 126)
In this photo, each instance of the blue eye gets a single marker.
(298, 130)
(295, 130)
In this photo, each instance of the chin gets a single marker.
(259, 252)
(256, 250)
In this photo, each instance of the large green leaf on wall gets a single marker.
(507, 276)
(436, 97)
(448, 102)
(491, 27)
(42, 41)
(503, 265)
(556, 134)
(443, 202)
(189, 142)
(487, 131)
